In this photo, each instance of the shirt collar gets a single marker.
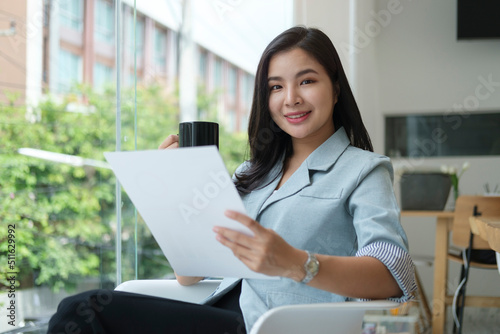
(327, 153)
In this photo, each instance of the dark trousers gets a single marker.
(108, 312)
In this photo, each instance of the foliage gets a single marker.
(58, 209)
(65, 215)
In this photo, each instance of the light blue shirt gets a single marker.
(341, 202)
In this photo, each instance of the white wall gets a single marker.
(422, 66)
(404, 58)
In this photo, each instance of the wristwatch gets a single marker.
(311, 267)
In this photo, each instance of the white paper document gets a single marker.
(182, 194)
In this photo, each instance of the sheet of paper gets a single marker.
(181, 194)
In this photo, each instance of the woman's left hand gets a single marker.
(266, 252)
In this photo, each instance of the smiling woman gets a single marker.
(320, 205)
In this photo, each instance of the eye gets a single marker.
(307, 81)
(275, 87)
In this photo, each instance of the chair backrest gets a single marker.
(488, 206)
(332, 318)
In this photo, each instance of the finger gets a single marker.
(245, 220)
(241, 252)
(172, 141)
(235, 237)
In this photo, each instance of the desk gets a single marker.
(488, 229)
(444, 223)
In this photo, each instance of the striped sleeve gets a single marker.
(399, 263)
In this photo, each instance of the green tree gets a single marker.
(59, 210)
(64, 214)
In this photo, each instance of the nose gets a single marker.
(293, 97)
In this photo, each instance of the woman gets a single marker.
(320, 203)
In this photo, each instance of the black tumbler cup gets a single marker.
(198, 133)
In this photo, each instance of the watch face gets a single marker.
(312, 266)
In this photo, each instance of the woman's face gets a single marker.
(301, 96)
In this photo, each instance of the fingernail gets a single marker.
(216, 229)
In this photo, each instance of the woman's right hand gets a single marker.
(172, 141)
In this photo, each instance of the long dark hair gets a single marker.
(267, 141)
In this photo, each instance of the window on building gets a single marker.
(232, 83)
(218, 73)
(245, 96)
(104, 24)
(71, 14)
(70, 71)
(139, 38)
(247, 84)
(160, 49)
(450, 134)
(203, 66)
(103, 75)
(46, 13)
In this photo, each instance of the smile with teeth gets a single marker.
(298, 115)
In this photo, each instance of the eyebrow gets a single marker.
(306, 71)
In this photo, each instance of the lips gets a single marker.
(297, 117)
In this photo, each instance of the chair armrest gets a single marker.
(344, 318)
(171, 289)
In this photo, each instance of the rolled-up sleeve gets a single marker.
(398, 262)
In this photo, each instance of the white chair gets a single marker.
(341, 318)
(498, 261)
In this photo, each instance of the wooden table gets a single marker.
(444, 221)
(488, 229)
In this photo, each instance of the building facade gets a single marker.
(62, 43)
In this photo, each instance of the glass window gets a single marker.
(203, 66)
(247, 87)
(243, 88)
(71, 12)
(78, 230)
(139, 37)
(160, 52)
(46, 13)
(104, 24)
(218, 73)
(70, 71)
(103, 75)
(232, 83)
(450, 134)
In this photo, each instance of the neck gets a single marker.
(303, 147)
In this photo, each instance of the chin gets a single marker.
(299, 135)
